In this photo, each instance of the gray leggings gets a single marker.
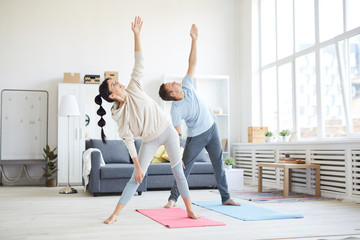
(170, 139)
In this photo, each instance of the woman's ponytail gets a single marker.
(103, 93)
(101, 112)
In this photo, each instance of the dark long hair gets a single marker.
(103, 93)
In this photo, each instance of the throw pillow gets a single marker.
(157, 157)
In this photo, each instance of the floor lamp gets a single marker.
(68, 108)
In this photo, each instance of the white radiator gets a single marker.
(339, 165)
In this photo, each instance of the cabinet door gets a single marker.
(71, 143)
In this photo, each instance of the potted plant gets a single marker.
(269, 136)
(51, 167)
(285, 135)
(229, 162)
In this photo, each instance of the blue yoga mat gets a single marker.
(246, 211)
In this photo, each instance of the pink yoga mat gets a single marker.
(177, 218)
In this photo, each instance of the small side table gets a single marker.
(235, 179)
(287, 175)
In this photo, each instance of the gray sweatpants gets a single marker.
(170, 139)
(209, 140)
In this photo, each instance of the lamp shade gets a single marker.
(68, 106)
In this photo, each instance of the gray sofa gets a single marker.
(113, 177)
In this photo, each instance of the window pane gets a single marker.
(268, 46)
(284, 28)
(333, 108)
(285, 97)
(353, 17)
(304, 24)
(354, 49)
(330, 19)
(269, 99)
(306, 96)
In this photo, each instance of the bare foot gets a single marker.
(170, 204)
(230, 202)
(193, 216)
(111, 219)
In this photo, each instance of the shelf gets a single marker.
(22, 162)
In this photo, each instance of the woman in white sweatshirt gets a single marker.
(138, 115)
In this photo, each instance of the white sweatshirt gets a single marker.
(140, 115)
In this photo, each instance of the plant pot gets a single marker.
(51, 182)
(228, 167)
(270, 139)
(286, 138)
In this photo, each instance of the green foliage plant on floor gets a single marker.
(50, 157)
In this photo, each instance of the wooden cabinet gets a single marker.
(214, 90)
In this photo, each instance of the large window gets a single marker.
(310, 67)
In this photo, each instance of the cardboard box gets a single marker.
(256, 134)
(223, 144)
(71, 77)
(92, 79)
(113, 75)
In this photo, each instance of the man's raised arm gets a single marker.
(193, 53)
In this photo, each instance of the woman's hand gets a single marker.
(139, 175)
(136, 25)
(194, 32)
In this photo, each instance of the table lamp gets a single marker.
(68, 108)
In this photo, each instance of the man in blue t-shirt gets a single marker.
(201, 127)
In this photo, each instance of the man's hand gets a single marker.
(194, 32)
(136, 25)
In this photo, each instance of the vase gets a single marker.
(51, 182)
(228, 167)
(286, 138)
(269, 139)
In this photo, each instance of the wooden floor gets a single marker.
(42, 213)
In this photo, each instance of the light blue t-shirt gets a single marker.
(195, 112)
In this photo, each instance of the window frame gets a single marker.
(343, 69)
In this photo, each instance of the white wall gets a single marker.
(42, 39)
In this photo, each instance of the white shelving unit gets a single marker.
(214, 90)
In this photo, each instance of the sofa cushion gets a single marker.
(116, 170)
(165, 169)
(202, 168)
(114, 151)
(202, 156)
